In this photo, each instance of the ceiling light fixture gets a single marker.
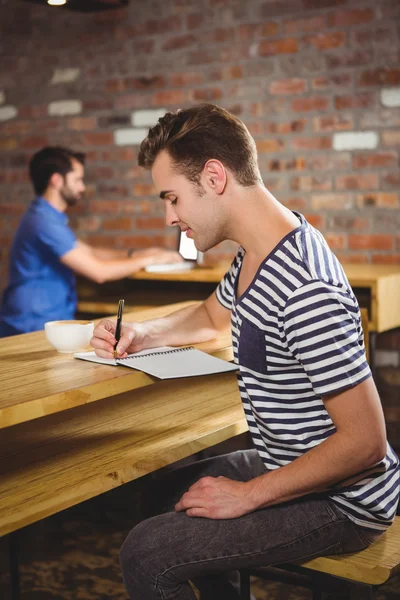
(56, 2)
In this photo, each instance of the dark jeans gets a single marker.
(163, 552)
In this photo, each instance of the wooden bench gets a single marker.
(369, 568)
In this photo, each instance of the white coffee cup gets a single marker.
(69, 336)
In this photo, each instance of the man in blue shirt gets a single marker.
(46, 254)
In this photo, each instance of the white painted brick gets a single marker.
(7, 113)
(2, 97)
(65, 75)
(390, 97)
(147, 118)
(355, 140)
(387, 358)
(65, 107)
(129, 137)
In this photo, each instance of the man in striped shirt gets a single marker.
(322, 478)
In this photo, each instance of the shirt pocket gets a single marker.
(252, 350)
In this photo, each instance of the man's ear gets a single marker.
(214, 176)
(56, 181)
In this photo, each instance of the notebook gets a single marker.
(187, 249)
(167, 362)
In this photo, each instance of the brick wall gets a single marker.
(316, 81)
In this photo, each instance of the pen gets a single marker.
(118, 328)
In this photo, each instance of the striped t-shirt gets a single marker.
(297, 337)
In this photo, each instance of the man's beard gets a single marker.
(69, 198)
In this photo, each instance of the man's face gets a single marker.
(193, 208)
(74, 186)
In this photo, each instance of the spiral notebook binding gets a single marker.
(174, 350)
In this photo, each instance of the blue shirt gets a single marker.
(40, 287)
(297, 337)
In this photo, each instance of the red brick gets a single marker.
(206, 94)
(99, 172)
(132, 101)
(272, 47)
(312, 24)
(181, 41)
(391, 138)
(150, 223)
(360, 181)
(36, 111)
(331, 202)
(317, 221)
(349, 58)
(99, 138)
(143, 189)
(310, 183)
(109, 189)
(348, 223)
(326, 41)
(227, 73)
(17, 127)
(390, 179)
(97, 104)
(318, 4)
(371, 242)
(355, 101)
(288, 86)
(326, 83)
(379, 200)
(271, 145)
(352, 258)
(87, 224)
(380, 76)
(101, 241)
(106, 206)
(117, 224)
(295, 203)
(386, 259)
(347, 18)
(34, 142)
(168, 97)
(377, 35)
(336, 241)
(377, 159)
(286, 127)
(184, 79)
(195, 20)
(82, 123)
(12, 210)
(333, 123)
(311, 103)
(140, 241)
(312, 143)
(250, 31)
(286, 164)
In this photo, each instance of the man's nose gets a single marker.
(171, 216)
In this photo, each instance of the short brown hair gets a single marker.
(195, 135)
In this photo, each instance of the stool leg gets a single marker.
(14, 567)
(244, 585)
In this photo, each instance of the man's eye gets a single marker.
(173, 201)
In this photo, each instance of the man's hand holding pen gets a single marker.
(132, 339)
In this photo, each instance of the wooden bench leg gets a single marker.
(244, 585)
(14, 567)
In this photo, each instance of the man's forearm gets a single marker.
(189, 325)
(336, 459)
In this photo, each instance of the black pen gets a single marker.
(118, 328)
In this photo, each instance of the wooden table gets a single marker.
(377, 288)
(71, 430)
